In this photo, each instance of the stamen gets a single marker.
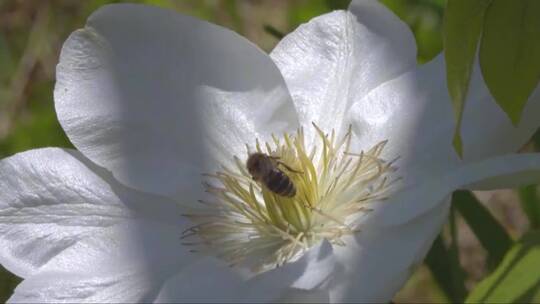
(249, 224)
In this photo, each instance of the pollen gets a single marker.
(245, 223)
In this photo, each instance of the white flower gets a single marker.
(152, 100)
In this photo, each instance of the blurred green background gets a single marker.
(32, 32)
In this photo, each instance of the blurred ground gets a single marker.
(32, 32)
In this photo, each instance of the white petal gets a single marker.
(487, 131)
(414, 113)
(337, 58)
(382, 21)
(125, 286)
(295, 295)
(379, 261)
(152, 96)
(207, 280)
(210, 280)
(496, 172)
(314, 268)
(51, 199)
(396, 237)
(100, 268)
(502, 172)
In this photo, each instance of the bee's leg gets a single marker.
(289, 168)
(284, 164)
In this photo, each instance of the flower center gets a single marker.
(261, 222)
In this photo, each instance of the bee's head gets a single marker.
(258, 165)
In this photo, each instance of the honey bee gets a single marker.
(264, 168)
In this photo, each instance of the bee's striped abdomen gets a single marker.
(279, 183)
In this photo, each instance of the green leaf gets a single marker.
(424, 17)
(461, 32)
(444, 272)
(302, 11)
(457, 141)
(456, 271)
(530, 204)
(337, 4)
(486, 228)
(517, 279)
(510, 53)
(8, 282)
(40, 127)
(536, 140)
(273, 31)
